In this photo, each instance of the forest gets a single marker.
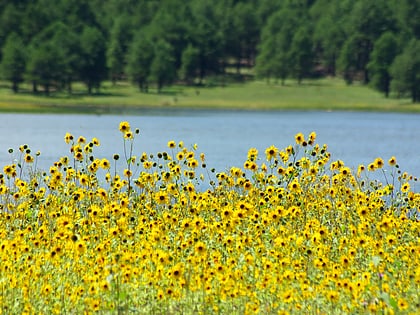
(53, 44)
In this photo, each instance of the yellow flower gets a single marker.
(379, 163)
(128, 173)
(294, 186)
(360, 170)
(171, 144)
(128, 135)
(105, 164)
(68, 137)
(200, 248)
(46, 289)
(405, 187)
(95, 141)
(193, 163)
(10, 170)
(312, 138)
(252, 154)
(271, 152)
(124, 126)
(177, 271)
(299, 138)
(161, 198)
(371, 167)
(392, 161)
(29, 158)
(288, 296)
(402, 304)
(332, 295)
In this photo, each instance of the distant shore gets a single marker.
(325, 94)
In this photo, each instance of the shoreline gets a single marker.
(318, 95)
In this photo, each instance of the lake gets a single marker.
(224, 136)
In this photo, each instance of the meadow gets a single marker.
(322, 94)
(289, 232)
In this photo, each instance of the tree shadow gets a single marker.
(163, 93)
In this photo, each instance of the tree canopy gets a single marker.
(52, 44)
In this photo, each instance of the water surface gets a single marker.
(224, 136)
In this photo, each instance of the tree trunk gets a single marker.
(366, 78)
(15, 87)
(69, 87)
(34, 87)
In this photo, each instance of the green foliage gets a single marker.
(301, 52)
(117, 48)
(46, 63)
(205, 35)
(10, 17)
(139, 59)
(329, 32)
(272, 39)
(408, 13)
(405, 71)
(162, 69)
(385, 50)
(13, 62)
(348, 62)
(190, 63)
(93, 61)
(275, 57)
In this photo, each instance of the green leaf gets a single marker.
(393, 303)
(385, 297)
(376, 260)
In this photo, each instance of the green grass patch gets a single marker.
(324, 94)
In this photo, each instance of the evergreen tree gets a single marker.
(117, 47)
(44, 66)
(12, 67)
(329, 35)
(47, 58)
(301, 52)
(68, 44)
(367, 21)
(384, 52)
(139, 60)
(93, 58)
(408, 13)
(246, 31)
(205, 34)
(190, 63)
(405, 71)
(349, 61)
(162, 69)
(10, 22)
(274, 57)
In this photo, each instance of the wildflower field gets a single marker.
(287, 232)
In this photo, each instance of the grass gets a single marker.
(324, 94)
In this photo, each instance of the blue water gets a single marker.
(224, 136)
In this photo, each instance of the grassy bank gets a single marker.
(325, 94)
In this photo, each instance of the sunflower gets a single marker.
(405, 187)
(162, 198)
(124, 126)
(271, 152)
(171, 144)
(10, 170)
(392, 161)
(299, 138)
